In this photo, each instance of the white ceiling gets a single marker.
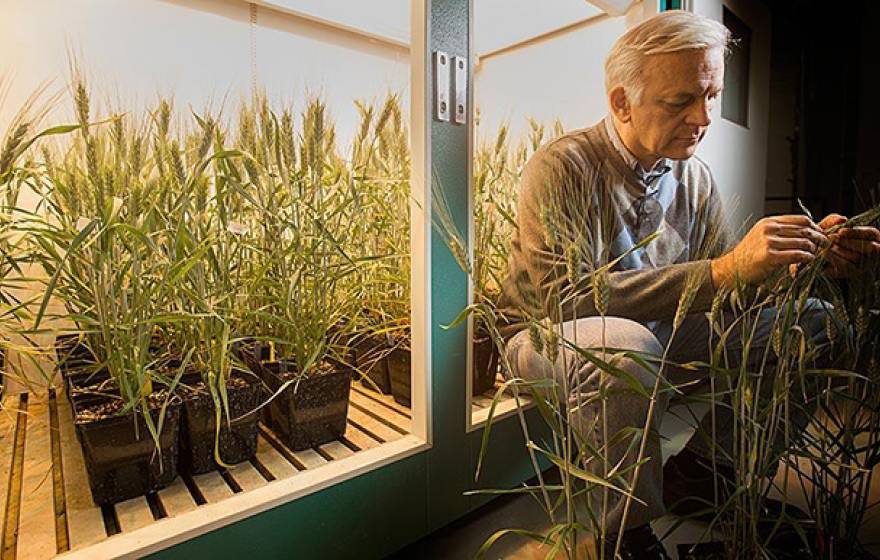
(497, 23)
(385, 18)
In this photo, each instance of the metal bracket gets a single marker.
(460, 83)
(441, 86)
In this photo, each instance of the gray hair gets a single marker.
(667, 32)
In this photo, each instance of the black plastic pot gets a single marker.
(74, 360)
(400, 371)
(371, 358)
(85, 383)
(238, 438)
(342, 337)
(312, 410)
(253, 353)
(121, 457)
(485, 365)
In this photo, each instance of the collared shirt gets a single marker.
(645, 209)
(661, 167)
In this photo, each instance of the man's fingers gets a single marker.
(860, 232)
(789, 256)
(860, 246)
(789, 243)
(850, 257)
(832, 220)
(813, 234)
(797, 219)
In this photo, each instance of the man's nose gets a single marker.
(700, 114)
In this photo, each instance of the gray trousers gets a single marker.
(625, 408)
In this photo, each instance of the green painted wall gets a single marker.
(382, 511)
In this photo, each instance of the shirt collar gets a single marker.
(661, 167)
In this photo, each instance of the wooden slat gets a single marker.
(176, 498)
(371, 425)
(62, 539)
(8, 415)
(378, 416)
(246, 476)
(310, 458)
(134, 514)
(36, 526)
(84, 520)
(484, 402)
(381, 413)
(272, 460)
(360, 438)
(212, 486)
(14, 481)
(337, 450)
(386, 400)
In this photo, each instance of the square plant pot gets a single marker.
(253, 353)
(371, 358)
(400, 371)
(311, 410)
(238, 432)
(86, 384)
(74, 360)
(485, 365)
(122, 459)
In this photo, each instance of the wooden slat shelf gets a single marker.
(506, 405)
(484, 400)
(46, 505)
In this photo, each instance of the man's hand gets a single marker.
(772, 243)
(850, 246)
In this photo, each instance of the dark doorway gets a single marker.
(824, 119)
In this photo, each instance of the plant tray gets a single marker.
(51, 510)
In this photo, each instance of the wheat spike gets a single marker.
(861, 323)
(830, 328)
(601, 290)
(686, 299)
(10, 148)
(551, 346)
(536, 337)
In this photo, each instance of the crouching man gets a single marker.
(589, 198)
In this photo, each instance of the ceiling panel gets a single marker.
(500, 23)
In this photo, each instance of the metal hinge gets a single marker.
(459, 80)
(450, 88)
(441, 86)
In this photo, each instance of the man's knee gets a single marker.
(618, 342)
(607, 339)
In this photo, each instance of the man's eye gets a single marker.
(678, 104)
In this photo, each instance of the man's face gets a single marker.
(674, 112)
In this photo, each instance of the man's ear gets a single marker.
(620, 104)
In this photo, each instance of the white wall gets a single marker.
(563, 78)
(737, 154)
(197, 50)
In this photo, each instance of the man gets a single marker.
(589, 198)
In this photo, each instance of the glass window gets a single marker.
(228, 226)
(735, 99)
